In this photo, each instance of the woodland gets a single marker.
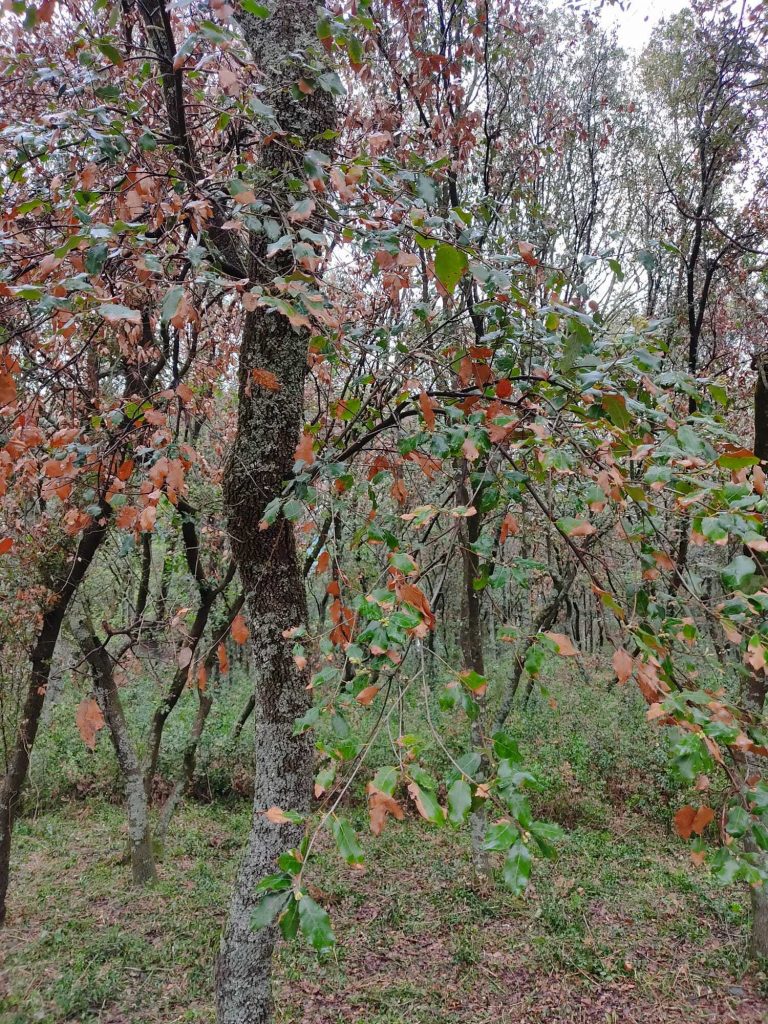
(383, 540)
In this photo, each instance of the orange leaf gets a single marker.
(239, 630)
(684, 820)
(304, 452)
(7, 389)
(276, 816)
(5, 545)
(221, 653)
(509, 527)
(564, 644)
(366, 696)
(526, 251)
(125, 470)
(266, 379)
(622, 665)
(703, 817)
(147, 519)
(504, 388)
(469, 448)
(427, 410)
(89, 720)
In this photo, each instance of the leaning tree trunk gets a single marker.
(261, 460)
(41, 658)
(136, 804)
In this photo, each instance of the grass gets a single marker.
(619, 929)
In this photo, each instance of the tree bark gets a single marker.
(41, 658)
(472, 654)
(136, 805)
(261, 459)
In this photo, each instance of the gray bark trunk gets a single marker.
(137, 810)
(261, 459)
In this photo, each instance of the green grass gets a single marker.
(619, 928)
(619, 922)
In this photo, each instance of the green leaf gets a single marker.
(459, 801)
(546, 835)
(427, 804)
(259, 10)
(738, 822)
(330, 82)
(289, 920)
(346, 840)
(267, 910)
(171, 303)
(274, 883)
(738, 572)
(505, 747)
(450, 265)
(316, 925)
(517, 868)
(738, 460)
(96, 258)
(355, 50)
(386, 780)
(500, 836)
(616, 409)
(110, 51)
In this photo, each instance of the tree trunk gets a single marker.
(136, 805)
(261, 459)
(759, 938)
(41, 658)
(472, 655)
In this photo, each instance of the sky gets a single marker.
(635, 24)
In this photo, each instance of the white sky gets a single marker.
(635, 24)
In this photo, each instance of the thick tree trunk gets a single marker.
(41, 658)
(136, 805)
(261, 459)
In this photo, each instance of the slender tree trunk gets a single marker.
(756, 683)
(137, 809)
(41, 658)
(186, 770)
(261, 459)
(472, 655)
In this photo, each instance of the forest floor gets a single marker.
(620, 928)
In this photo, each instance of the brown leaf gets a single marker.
(379, 806)
(89, 720)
